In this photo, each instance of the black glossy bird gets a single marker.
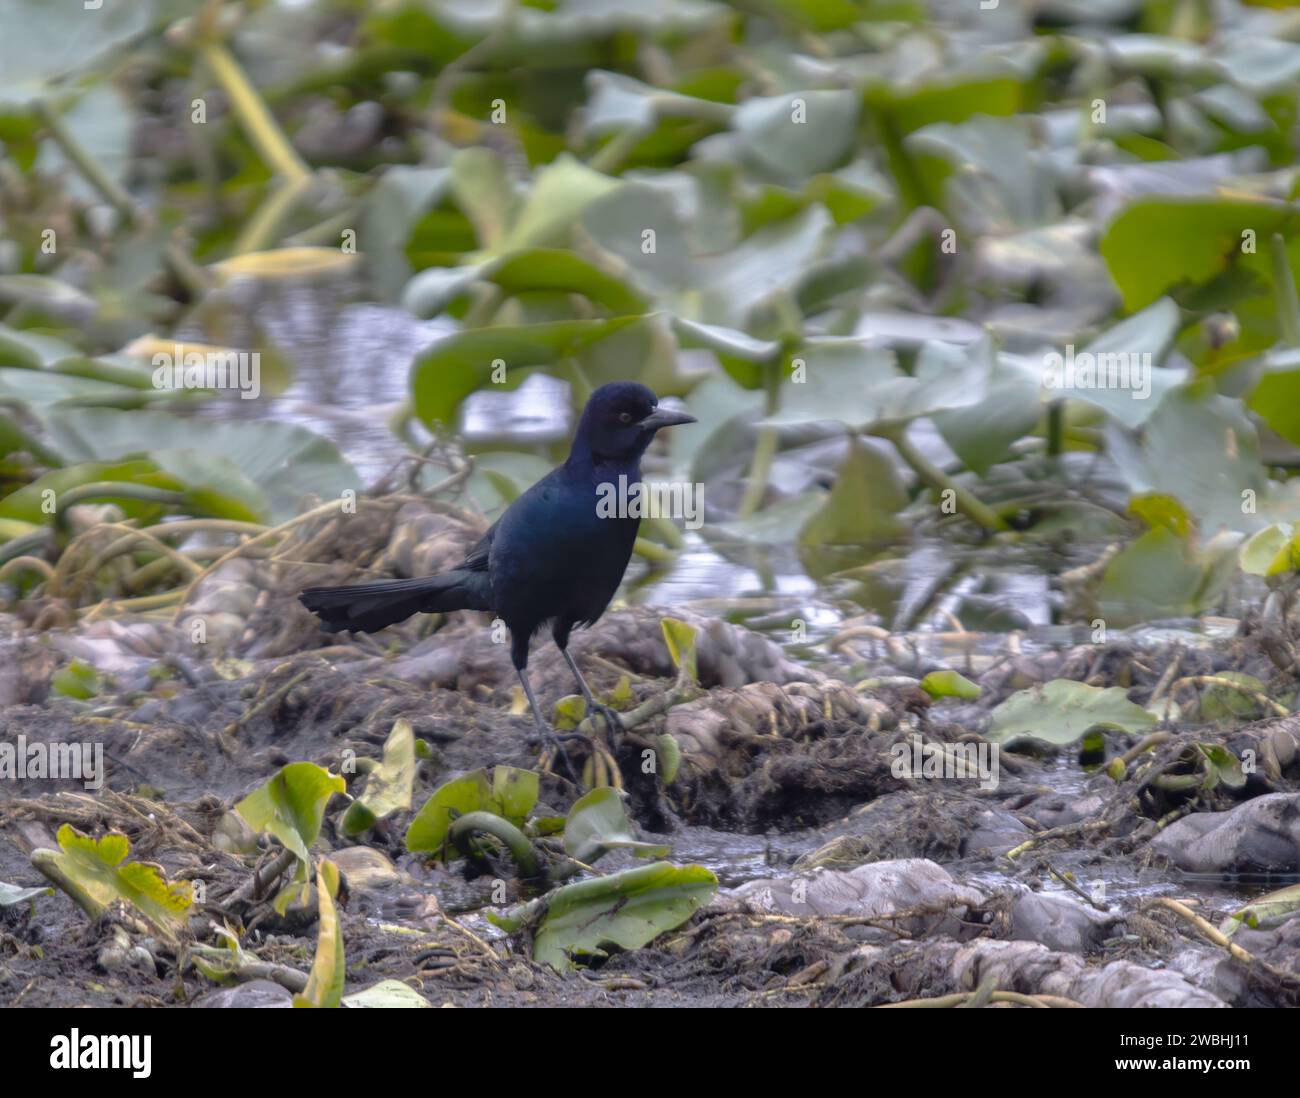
(552, 557)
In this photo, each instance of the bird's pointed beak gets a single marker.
(665, 417)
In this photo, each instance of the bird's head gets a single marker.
(620, 420)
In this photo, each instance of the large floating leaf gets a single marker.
(981, 433)
(1276, 396)
(626, 910)
(1061, 711)
(557, 197)
(285, 462)
(864, 501)
(44, 41)
(445, 374)
(1163, 575)
(480, 183)
(799, 134)
(861, 385)
(991, 178)
(1226, 475)
(1159, 244)
(1142, 341)
(392, 207)
(533, 270)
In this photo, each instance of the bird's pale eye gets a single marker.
(625, 417)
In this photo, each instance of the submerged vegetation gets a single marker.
(989, 318)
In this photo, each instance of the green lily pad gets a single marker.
(280, 463)
(448, 372)
(627, 910)
(1158, 244)
(800, 134)
(43, 42)
(863, 503)
(1062, 711)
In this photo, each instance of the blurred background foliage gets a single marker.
(847, 233)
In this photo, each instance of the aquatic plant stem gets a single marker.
(89, 167)
(514, 840)
(936, 478)
(29, 563)
(333, 507)
(263, 228)
(1217, 937)
(966, 998)
(252, 112)
(1288, 304)
(760, 469)
(652, 551)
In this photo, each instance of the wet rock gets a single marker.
(1060, 922)
(252, 995)
(1260, 836)
(881, 891)
(367, 869)
(1057, 810)
(992, 833)
(931, 968)
(1241, 983)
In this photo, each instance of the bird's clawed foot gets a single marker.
(613, 722)
(598, 768)
(553, 752)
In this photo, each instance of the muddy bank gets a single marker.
(1095, 874)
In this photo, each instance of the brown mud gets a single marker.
(845, 881)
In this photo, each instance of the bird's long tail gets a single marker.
(369, 607)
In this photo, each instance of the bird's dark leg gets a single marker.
(560, 632)
(554, 749)
(602, 757)
(612, 720)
